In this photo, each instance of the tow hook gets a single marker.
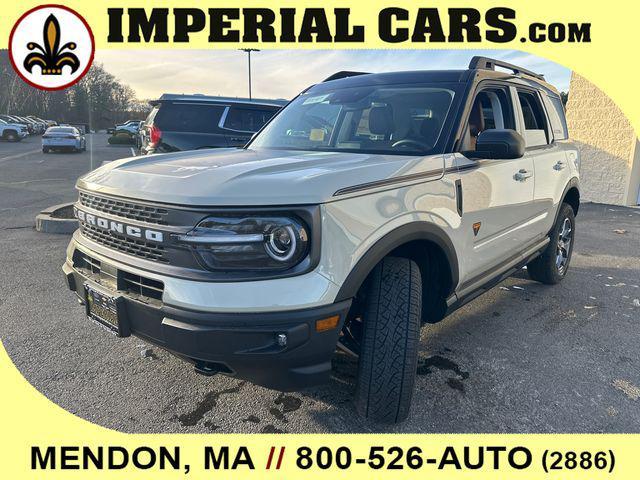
(208, 369)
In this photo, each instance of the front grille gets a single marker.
(131, 246)
(144, 286)
(139, 287)
(121, 208)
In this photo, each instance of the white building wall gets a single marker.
(610, 169)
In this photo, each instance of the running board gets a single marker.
(479, 285)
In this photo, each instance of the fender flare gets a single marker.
(574, 182)
(395, 238)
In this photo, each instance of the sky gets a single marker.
(284, 73)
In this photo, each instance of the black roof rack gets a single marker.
(484, 63)
(344, 74)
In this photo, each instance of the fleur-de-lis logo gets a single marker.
(51, 56)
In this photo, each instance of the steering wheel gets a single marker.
(406, 142)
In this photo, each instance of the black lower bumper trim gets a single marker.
(246, 345)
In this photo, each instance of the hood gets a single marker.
(246, 177)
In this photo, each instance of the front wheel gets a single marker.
(391, 335)
(11, 137)
(552, 265)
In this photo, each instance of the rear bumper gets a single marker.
(244, 345)
(61, 144)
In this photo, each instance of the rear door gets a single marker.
(497, 205)
(240, 122)
(190, 126)
(549, 159)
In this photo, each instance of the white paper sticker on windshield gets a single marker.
(317, 99)
(316, 135)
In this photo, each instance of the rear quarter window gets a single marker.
(247, 119)
(189, 117)
(558, 121)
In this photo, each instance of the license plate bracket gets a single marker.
(107, 310)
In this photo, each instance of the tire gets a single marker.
(389, 350)
(549, 268)
(45, 150)
(11, 136)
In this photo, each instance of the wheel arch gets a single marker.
(571, 195)
(405, 241)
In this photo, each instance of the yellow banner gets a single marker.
(41, 440)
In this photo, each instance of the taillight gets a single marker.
(155, 134)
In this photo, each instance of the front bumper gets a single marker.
(244, 345)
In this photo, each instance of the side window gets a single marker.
(535, 125)
(189, 117)
(491, 109)
(247, 119)
(555, 110)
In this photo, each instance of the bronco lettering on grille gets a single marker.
(118, 227)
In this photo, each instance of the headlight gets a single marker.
(249, 242)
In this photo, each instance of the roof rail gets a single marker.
(344, 74)
(485, 63)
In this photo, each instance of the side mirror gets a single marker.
(498, 144)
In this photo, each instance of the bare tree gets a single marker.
(99, 99)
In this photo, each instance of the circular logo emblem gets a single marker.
(51, 47)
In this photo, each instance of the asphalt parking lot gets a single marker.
(523, 358)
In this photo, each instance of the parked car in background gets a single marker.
(47, 123)
(191, 122)
(132, 127)
(63, 138)
(37, 127)
(17, 121)
(12, 132)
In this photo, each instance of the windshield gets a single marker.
(392, 119)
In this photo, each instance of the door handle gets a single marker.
(522, 175)
(560, 165)
(238, 139)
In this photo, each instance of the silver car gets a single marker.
(63, 138)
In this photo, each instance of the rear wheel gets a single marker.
(390, 338)
(551, 267)
(45, 150)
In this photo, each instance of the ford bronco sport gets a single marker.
(369, 205)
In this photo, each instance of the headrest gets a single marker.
(381, 120)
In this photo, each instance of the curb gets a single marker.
(51, 220)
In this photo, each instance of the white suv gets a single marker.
(371, 204)
(12, 132)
